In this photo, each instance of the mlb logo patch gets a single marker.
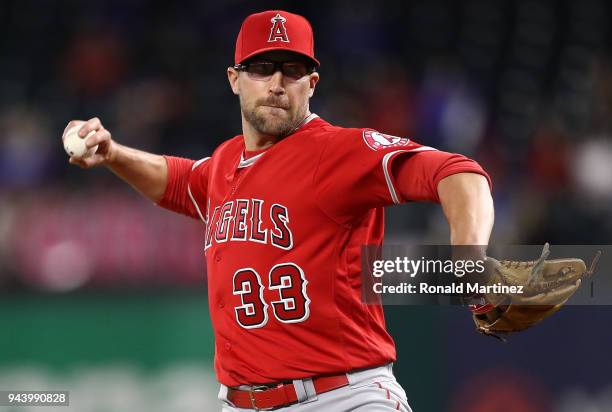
(379, 141)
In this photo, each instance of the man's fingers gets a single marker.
(87, 162)
(77, 162)
(91, 124)
(94, 160)
(101, 135)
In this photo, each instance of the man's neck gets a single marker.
(254, 140)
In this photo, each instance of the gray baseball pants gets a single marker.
(370, 390)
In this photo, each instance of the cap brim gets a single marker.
(260, 51)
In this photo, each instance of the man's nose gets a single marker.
(276, 83)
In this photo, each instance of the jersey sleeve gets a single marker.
(354, 172)
(186, 190)
(417, 174)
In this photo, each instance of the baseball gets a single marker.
(75, 145)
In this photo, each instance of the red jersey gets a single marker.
(284, 231)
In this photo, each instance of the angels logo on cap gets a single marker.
(378, 141)
(278, 30)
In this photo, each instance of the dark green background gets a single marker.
(152, 331)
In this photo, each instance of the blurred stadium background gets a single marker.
(104, 294)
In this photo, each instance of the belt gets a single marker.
(264, 398)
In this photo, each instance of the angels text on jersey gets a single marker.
(249, 220)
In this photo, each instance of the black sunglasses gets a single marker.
(294, 70)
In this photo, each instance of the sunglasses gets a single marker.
(293, 70)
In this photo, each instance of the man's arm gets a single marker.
(459, 184)
(462, 187)
(468, 207)
(145, 172)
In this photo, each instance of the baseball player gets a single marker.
(287, 206)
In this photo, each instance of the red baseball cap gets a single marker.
(274, 30)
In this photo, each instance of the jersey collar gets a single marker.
(251, 160)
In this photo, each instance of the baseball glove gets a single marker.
(545, 285)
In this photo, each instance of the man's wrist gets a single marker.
(113, 154)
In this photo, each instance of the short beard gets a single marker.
(269, 126)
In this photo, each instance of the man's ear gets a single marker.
(232, 77)
(314, 79)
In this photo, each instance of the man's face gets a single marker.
(274, 104)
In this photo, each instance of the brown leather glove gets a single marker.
(545, 285)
